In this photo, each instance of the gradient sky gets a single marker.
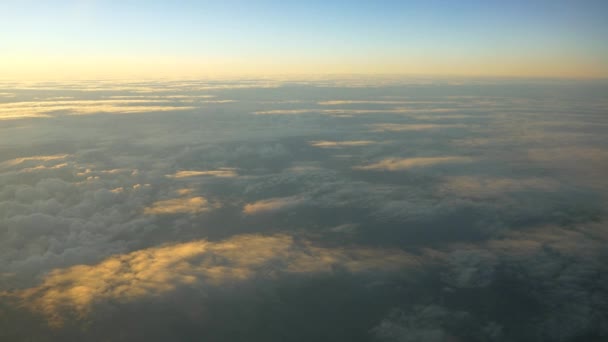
(76, 39)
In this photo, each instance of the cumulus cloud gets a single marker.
(154, 271)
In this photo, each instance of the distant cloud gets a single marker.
(569, 153)
(272, 205)
(16, 110)
(347, 112)
(398, 164)
(188, 205)
(285, 111)
(484, 187)
(347, 102)
(154, 271)
(222, 173)
(338, 144)
(393, 127)
(22, 160)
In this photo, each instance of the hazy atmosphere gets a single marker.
(236, 185)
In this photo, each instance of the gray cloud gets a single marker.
(408, 211)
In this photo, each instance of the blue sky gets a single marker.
(466, 37)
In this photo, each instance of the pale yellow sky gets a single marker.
(86, 67)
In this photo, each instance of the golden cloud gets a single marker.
(188, 205)
(158, 270)
(222, 173)
(338, 144)
(344, 111)
(17, 110)
(272, 204)
(398, 164)
(19, 161)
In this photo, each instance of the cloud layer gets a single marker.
(436, 210)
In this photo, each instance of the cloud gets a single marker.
(569, 153)
(187, 205)
(393, 127)
(358, 102)
(130, 222)
(349, 112)
(272, 205)
(23, 160)
(434, 323)
(399, 164)
(17, 110)
(339, 144)
(221, 173)
(154, 271)
(285, 111)
(486, 187)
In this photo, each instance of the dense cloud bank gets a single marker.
(352, 210)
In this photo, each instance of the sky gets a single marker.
(151, 39)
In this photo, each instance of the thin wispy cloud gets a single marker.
(400, 164)
(222, 173)
(339, 144)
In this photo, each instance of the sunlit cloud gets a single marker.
(188, 205)
(17, 110)
(22, 115)
(286, 111)
(221, 173)
(158, 270)
(347, 112)
(162, 97)
(272, 205)
(393, 127)
(36, 159)
(398, 164)
(338, 144)
(432, 117)
(347, 102)
(44, 167)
